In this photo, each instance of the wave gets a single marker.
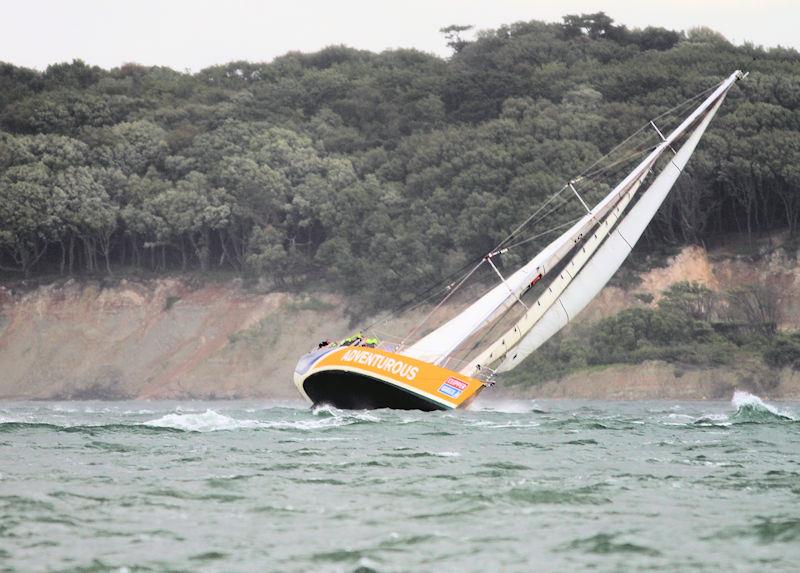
(182, 421)
(748, 409)
(208, 421)
(328, 411)
(751, 408)
(91, 429)
(211, 421)
(506, 406)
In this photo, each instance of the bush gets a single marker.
(783, 350)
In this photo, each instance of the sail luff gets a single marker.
(596, 273)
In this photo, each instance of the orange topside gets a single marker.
(433, 382)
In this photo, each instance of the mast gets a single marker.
(437, 345)
(585, 274)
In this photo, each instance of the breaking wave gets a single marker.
(192, 421)
(748, 409)
(751, 408)
(208, 421)
(506, 406)
(211, 421)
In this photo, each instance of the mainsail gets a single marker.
(440, 343)
(531, 332)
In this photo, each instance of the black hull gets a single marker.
(352, 391)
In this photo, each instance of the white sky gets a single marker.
(193, 34)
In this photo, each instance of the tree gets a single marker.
(689, 298)
(453, 35)
(89, 214)
(191, 210)
(755, 306)
(31, 214)
(596, 26)
(267, 255)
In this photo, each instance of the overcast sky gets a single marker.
(193, 34)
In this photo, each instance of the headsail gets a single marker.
(445, 339)
(436, 346)
(593, 276)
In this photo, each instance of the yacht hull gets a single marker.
(370, 378)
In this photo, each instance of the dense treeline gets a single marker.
(377, 173)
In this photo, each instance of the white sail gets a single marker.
(445, 339)
(437, 345)
(609, 257)
(554, 290)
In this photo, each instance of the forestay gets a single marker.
(596, 273)
(436, 346)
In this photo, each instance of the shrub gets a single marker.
(783, 350)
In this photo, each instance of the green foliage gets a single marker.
(380, 174)
(783, 350)
(682, 329)
(690, 299)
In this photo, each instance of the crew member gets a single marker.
(371, 342)
(353, 340)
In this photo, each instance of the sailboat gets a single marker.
(570, 271)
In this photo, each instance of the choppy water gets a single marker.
(517, 486)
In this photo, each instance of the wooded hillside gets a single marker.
(376, 173)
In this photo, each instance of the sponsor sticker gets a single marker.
(452, 388)
(456, 383)
(448, 390)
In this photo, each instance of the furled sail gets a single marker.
(599, 269)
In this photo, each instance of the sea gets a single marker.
(508, 486)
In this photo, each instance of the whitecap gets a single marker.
(505, 406)
(208, 421)
(326, 410)
(747, 402)
(211, 421)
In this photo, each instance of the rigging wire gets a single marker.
(415, 302)
(618, 163)
(543, 233)
(449, 294)
(452, 286)
(625, 159)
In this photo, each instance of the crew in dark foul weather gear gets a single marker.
(325, 343)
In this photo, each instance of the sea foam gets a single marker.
(211, 421)
(751, 407)
(208, 421)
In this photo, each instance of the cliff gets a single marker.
(172, 338)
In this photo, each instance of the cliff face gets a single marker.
(167, 339)
(157, 339)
